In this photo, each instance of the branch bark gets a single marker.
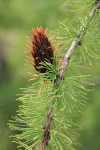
(47, 128)
(74, 44)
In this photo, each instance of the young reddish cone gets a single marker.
(42, 50)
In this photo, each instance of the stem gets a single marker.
(93, 11)
(46, 128)
(74, 45)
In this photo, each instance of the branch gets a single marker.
(93, 11)
(74, 45)
(46, 133)
(65, 63)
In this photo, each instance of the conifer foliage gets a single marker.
(50, 108)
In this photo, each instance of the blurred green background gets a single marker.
(17, 17)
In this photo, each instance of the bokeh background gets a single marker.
(17, 18)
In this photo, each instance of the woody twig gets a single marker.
(46, 130)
